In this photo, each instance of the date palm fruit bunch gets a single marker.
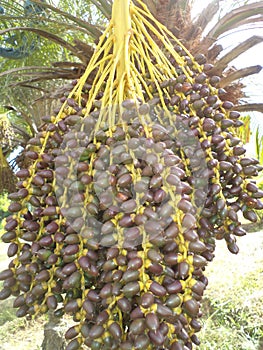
(130, 185)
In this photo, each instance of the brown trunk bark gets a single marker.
(53, 334)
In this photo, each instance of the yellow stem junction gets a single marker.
(122, 30)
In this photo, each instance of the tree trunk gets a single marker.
(53, 334)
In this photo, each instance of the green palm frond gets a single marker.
(40, 42)
(47, 35)
(104, 6)
(58, 26)
(93, 30)
(259, 146)
(244, 133)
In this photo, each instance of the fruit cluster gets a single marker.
(118, 214)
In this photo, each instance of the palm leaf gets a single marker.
(59, 27)
(239, 74)
(104, 6)
(244, 133)
(257, 142)
(234, 53)
(237, 17)
(47, 35)
(93, 30)
(207, 14)
(250, 107)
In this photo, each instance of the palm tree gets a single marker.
(58, 31)
(38, 52)
(198, 39)
(40, 46)
(43, 45)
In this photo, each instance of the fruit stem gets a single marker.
(122, 28)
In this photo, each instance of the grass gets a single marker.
(19, 333)
(233, 303)
(230, 325)
(7, 313)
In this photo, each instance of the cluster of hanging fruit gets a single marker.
(130, 184)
